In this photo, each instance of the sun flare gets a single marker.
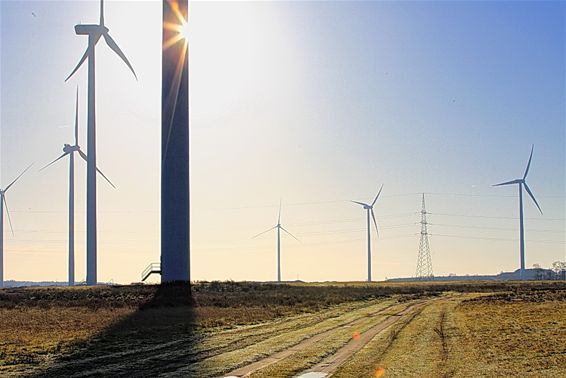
(184, 30)
(182, 33)
(180, 26)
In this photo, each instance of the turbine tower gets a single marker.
(70, 151)
(175, 196)
(2, 204)
(523, 183)
(424, 261)
(279, 228)
(94, 33)
(369, 209)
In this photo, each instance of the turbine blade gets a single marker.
(55, 161)
(114, 46)
(77, 118)
(8, 212)
(83, 155)
(532, 196)
(290, 234)
(102, 12)
(509, 183)
(279, 217)
(261, 233)
(17, 178)
(360, 203)
(374, 222)
(376, 197)
(529, 163)
(83, 58)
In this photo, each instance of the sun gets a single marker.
(179, 25)
(184, 30)
(181, 33)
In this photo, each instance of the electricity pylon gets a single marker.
(424, 261)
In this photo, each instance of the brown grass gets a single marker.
(516, 333)
(503, 330)
(30, 335)
(523, 334)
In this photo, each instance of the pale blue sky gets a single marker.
(314, 102)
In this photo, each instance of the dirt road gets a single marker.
(341, 342)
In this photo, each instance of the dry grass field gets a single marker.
(216, 329)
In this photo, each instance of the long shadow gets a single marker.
(160, 337)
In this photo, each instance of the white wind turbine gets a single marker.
(523, 183)
(279, 228)
(369, 209)
(2, 204)
(70, 151)
(94, 33)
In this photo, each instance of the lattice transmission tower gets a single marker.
(424, 261)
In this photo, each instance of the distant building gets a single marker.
(530, 274)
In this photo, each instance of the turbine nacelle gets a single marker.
(365, 205)
(69, 149)
(83, 29)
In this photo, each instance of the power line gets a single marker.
(494, 217)
(493, 228)
(499, 239)
(481, 195)
(356, 230)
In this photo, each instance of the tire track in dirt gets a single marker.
(247, 370)
(442, 333)
(173, 355)
(330, 364)
(245, 340)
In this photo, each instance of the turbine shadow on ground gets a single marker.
(158, 338)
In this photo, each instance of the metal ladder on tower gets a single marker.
(151, 268)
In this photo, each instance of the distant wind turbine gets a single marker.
(522, 182)
(279, 228)
(70, 151)
(2, 204)
(94, 32)
(369, 209)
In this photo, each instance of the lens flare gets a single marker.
(180, 26)
(184, 30)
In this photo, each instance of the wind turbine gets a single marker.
(94, 32)
(279, 228)
(69, 150)
(522, 182)
(2, 204)
(369, 209)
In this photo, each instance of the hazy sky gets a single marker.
(316, 103)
